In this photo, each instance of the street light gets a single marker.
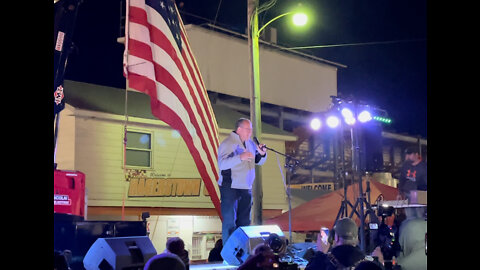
(255, 110)
(300, 19)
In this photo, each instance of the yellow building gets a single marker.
(160, 176)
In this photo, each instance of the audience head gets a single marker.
(175, 245)
(219, 244)
(414, 212)
(368, 265)
(346, 232)
(164, 261)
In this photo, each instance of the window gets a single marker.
(139, 149)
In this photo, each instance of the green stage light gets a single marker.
(385, 120)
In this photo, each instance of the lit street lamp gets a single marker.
(255, 109)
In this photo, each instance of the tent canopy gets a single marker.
(322, 211)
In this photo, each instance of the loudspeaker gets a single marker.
(244, 239)
(119, 253)
(371, 151)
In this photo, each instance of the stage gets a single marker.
(218, 266)
(212, 266)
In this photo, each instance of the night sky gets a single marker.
(392, 76)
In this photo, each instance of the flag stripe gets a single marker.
(156, 18)
(209, 113)
(157, 54)
(166, 99)
(160, 39)
(199, 81)
(166, 78)
(159, 21)
(157, 37)
(175, 122)
(159, 62)
(163, 93)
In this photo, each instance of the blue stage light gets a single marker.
(364, 116)
(348, 116)
(333, 121)
(315, 124)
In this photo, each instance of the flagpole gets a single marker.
(255, 109)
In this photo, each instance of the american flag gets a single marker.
(159, 62)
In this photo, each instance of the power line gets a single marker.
(218, 9)
(356, 44)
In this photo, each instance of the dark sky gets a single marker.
(392, 76)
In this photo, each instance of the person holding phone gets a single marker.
(345, 251)
(322, 240)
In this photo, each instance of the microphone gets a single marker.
(258, 143)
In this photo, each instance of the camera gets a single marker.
(281, 261)
(384, 236)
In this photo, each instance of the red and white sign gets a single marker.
(58, 94)
(61, 200)
(60, 38)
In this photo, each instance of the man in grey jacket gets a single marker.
(237, 156)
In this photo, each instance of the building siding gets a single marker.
(98, 152)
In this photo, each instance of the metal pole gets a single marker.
(255, 109)
(55, 136)
(419, 145)
(355, 173)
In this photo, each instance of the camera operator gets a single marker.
(345, 252)
(384, 238)
(412, 240)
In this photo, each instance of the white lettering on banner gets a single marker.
(61, 200)
(60, 38)
(320, 186)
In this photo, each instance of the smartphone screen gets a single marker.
(324, 233)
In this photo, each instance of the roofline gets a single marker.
(273, 45)
(90, 114)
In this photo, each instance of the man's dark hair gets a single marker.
(412, 150)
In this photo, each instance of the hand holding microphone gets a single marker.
(262, 148)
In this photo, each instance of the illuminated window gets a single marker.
(139, 149)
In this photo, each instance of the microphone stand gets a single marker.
(291, 163)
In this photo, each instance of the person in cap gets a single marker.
(345, 253)
(413, 174)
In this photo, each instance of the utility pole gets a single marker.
(64, 23)
(255, 109)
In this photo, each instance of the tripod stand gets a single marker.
(361, 201)
(291, 163)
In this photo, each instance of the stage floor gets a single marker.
(218, 266)
(212, 266)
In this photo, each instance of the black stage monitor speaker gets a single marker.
(244, 239)
(119, 253)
